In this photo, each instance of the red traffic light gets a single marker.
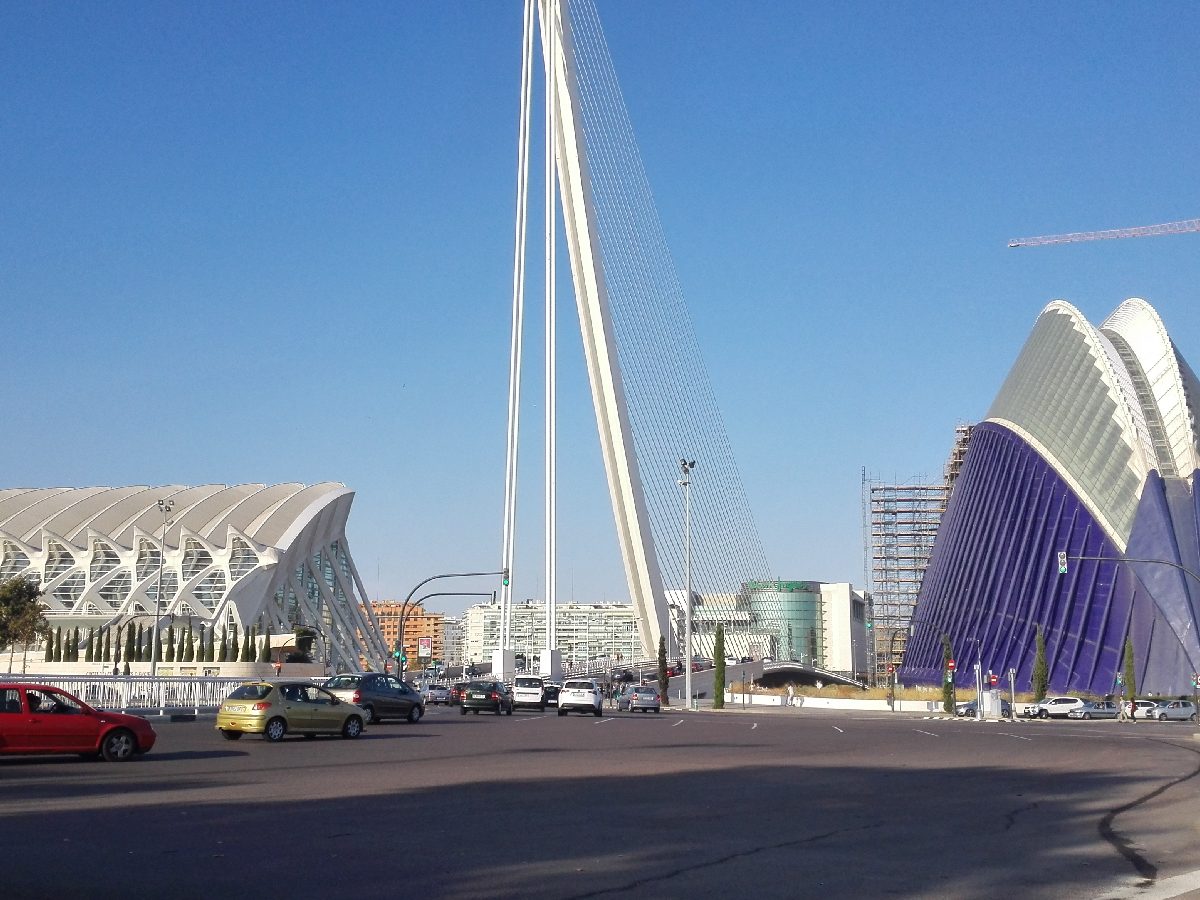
(950, 665)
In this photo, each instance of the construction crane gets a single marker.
(1140, 231)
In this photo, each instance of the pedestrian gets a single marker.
(791, 695)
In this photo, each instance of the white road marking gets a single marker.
(1162, 889)
(1017, 736)
(838, 730)
(602, 721)
(755, 725)
(930, 733)
(680, 722)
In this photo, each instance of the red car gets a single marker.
(37, 718)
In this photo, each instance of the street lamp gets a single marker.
(165, 507)
(686, 483)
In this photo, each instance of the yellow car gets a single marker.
(274, 708)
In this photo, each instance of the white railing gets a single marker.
(140, 692)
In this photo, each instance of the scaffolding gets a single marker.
(900, 523)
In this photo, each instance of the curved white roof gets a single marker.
(1105, 406)
(263, 513)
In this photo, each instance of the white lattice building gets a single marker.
(248, 555)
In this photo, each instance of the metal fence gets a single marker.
(140, 692)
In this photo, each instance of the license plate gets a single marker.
(235, 709)
(475, 696)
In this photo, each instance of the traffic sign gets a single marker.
(994, 679)
(891, 669)
(950, 665)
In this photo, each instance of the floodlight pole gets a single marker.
(165, 507)
(686, 468)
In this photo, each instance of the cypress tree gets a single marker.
(75, 647)
(158, 646)
(49, 648)
(234, 646)
(90, 655)
(223, 653)
(189, 649)
(211, 655)
(58, 644)
(1041, 674)
(1130, 673)
(129, 645)
(138, 644)
(947, 675)
(170, 657)
(719, 668)
(265, 655)
(248, 645)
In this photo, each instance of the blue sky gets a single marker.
(273, 242)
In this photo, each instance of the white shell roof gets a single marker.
(270, 515)
(1105, 406)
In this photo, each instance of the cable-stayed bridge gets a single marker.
(651, 394)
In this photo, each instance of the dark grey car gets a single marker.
(381, 696)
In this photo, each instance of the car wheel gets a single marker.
(1162, 717)
(118, 745)
(371, 717)
(231, 735)
(1043, 714)
(462, 710)
(1086, 716)
(475, 711)
(562, 712)
(414, 714)
(353, 727)
(275, 730)
(658, 709)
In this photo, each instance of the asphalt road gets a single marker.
(735, 804)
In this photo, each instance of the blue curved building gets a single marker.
(1090, 447)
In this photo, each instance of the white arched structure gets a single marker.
(271, 556)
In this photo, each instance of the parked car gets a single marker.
(275, 708)
(968, 708)
(381, 696)
(582, 695)
(437, 693)
(1142, 708)
(456, 692)
(37, 718)
(643, 697)
(1096, 709)
(1053, 707)
(1174, 710)
(487, 696)
(529, 691)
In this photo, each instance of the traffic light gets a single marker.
(1062, 562)
(1196, 679)
(506, 579)
(870, 625)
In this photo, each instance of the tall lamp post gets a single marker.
(165, 507)
(685, 482)
(407, 611)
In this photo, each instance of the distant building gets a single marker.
(453, 641)
(419, 623)
(586, 631)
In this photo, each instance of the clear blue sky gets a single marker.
(273, 242)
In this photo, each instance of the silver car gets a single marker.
(1174, 710)
(1097, 709)
(437, 693)
(642, 697)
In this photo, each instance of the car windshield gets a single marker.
(644, 689)
(529, 682)
(578, 686)
(340, 682)
(481, 686)
(250, 692)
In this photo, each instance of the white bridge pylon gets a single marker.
(567, 176)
